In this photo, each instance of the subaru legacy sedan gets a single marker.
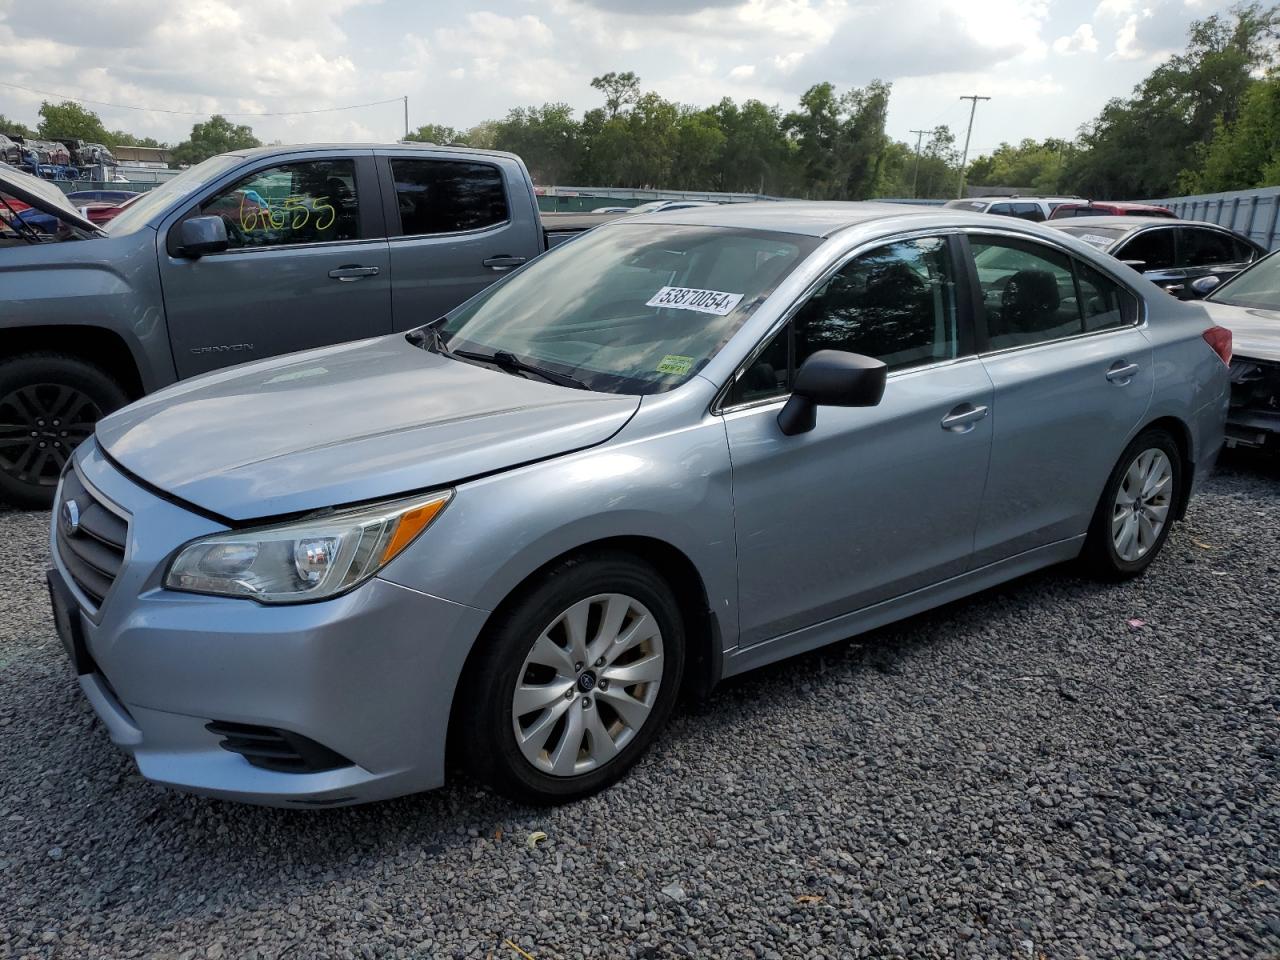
(677, 448)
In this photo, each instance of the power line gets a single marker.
(964, 159)
(197, 113)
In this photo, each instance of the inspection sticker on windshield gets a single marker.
(701, 301)
(1096, 240)
(675, 364)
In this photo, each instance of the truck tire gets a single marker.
(49, 403)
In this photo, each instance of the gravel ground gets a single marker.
(1031, 773)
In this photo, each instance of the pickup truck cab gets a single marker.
(244, 256)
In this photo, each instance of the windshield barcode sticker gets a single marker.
(1096, 240)
(701, 301)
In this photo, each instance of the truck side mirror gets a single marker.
(200, 235)
(832, 378)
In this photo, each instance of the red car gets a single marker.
(1108, 208)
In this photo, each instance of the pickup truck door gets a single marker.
(307, 265)
(455, 224)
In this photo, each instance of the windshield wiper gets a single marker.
(506, 360)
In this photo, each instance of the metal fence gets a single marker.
(1255, 213)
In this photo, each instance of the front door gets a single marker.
(873, 502)
(454, 229)
(307, 267)
(1073, 378)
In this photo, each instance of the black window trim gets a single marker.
(391, 206)
(977, 305)
(966, 344)
(369, 213)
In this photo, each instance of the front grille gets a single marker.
(90, 539)
(277, 750)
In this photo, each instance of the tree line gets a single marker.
(1207, 119)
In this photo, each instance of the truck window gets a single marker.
(312, 202)
(447, 196)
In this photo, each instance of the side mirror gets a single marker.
(200, 235)
(831, 378)
(1205, 285)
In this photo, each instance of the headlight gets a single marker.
(308, 559)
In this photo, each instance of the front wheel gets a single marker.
(1136, 512)
(575, 679)
(49, 404)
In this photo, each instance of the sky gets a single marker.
(1048, 65)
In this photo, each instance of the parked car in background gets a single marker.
(612, 210)
(1035, 209)
(97, 196)
(1249, 306)
(681, 447)
(10, 151)
(1170, 253)
(244, 256)
(1098, 208)
(653, 206)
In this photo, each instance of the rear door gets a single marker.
(1153, 252)
(455, 224)
(1073, 376)
(307, 265)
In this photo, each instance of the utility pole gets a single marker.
(406, 117)
(915, 177)
(964, 158)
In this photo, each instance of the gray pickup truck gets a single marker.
(244, 256)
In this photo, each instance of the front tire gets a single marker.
(574, 680)
(1136, 512)
(49, 404)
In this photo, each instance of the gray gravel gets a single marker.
(1024, 774)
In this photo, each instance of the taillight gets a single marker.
(1219, 339)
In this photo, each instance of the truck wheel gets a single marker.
(49, 403)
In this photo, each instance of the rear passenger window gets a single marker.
(1028, 211)
(1001, 209)
(896, 303)
(1152, 249)
(447, 196)
(1032, 294)
(1210, 248)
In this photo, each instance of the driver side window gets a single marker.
(312, 202)
(896, 303)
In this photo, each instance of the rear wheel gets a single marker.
(49, 404)
(575, 680)
(1136, 512)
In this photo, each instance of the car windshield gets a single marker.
(169, 192)
(1257, 287)
(628, 308)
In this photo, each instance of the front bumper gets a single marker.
(369, 675)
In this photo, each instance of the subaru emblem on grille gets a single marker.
(71, 514)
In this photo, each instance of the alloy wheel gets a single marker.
(40, 425)
(1142, 505)
(588, 685)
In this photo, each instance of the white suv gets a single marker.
(1026, 208)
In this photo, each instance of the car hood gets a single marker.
(1255, 333)
(42, 195)
(359, 421)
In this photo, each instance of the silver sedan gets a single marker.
(677, 448)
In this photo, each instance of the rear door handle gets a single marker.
(1121, 373)
(352, 271)
(501, 264)
(963, 417)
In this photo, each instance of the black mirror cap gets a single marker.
(831, 378)
(200, 235)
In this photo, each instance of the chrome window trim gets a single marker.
(717, 402)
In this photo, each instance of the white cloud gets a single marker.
(744, 71)
(1082, 40)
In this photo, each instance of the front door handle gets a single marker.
(502, 264)
(352, 271)
(1121, 373)
(963, 417)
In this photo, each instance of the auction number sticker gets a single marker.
(675, 364)
(715, 302)
(1096, 240)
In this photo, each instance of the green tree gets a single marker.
(619, 89)
(1035, 165)
(68, 120)
(546, 137)
(699, 144)
(436, 133)
(1245, 153)
(118, 138)
(13, 128)
(216, 135)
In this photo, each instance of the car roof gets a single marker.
(356, 148)
(816, 218)
(1128, 224)
(1118, 204)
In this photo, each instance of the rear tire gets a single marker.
(49, 404)
(1136, 511)
(588, 720)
